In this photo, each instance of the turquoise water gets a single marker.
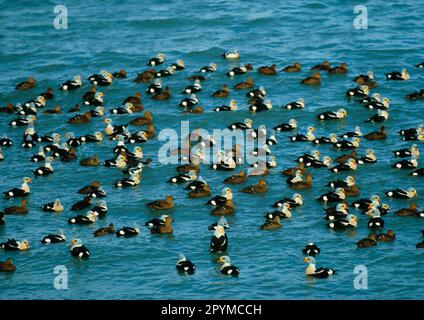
(121, 34)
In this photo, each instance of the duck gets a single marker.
(406, 164)
(210, 68)
(380, 116)
(217, 201)
(339, 212)
(155, 87)
(56, 110)
(121, 74)
(370, 157)
(325, 66)
(78, 250)
(268, 70)
(242, 69)
(309, 136)
(412, 210)
(162, 204)
(349, 181)
(302, 184)
(161, 226)
(228, 268)
(132, 181)
(369, 241)
(396, 75)
(110, 229)
(89, 189)
(231, 107)
(7, 266)
(272, 223)
(95, 100)
(22, 209)
(195, 88)
(90, 218)
(314, 80)
(1, 155)
(349, 222)
(416, 95)
(356, 133)
(73, 84)
(185, 266)
(201, 191)
(146, 76)
(247, 124)
(364, 77)
(363, 204)
(249, 83)
(222, 93)
(157, 60)
(284, 212)
(181, 178)
(402, 193)
(100, 210)
(299, 104)
(141, 121)
(406, 153)
(23, 191)
(219, 241)
(314, 272)
(81, 118)
(351, 164)
(378, 105)
(306, 157)
(342, 68)
(331, 139)
(105, 78)
(29, 83)
(418, 172)
(261, 187)
(295, 201)
(55, 206)
(326, 162)
(386, 237)
(228, 208)
(336, 196)
(348, 145)
(285, 127)
(420, 244)
(311, 249)
(221, 222)
(14, 245)
(179, 65)
(9, 109)
(375, 222)
(163, 95)
(231, 55)
(54, 238)
(45, 170)
(127, 232)
(83, 204)
(5, 141)
(295, 67)
(23, 122)
(360, 92)
(241, 177)
(90, 161)
(330, 115)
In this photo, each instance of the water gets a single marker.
(121, 34)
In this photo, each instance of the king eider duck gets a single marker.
(260, 107)
(128, 232)
(227, 268)
(231, 107)
(23, 122)
(381, 116)
(247, 124)
(162, 204)
(163, 225)
(348, 145)
(181, 178)
(351, 164)
(219, 241)
(195, 88)
(272, 223)
(90, 218)
(312, 271)
(103, 79)
(396, 75)
(339, 212)
(311, 249)
(217, 201)
(337, 196)
(402, 194)
(5, 141)
(361, 92)
(185, 266)
(78, 250)
(406, 153)
(132, 181)
(331, 115)
(363, 204)
(375, 222)
(418, 172)
(159, 59)
(45, 170)
(211, 68)
(14, 245)
(71, 84)
(283, 127)
(406, 164)
(179, 65)
(299, 104)
(55, 206)
(100, 210)
(23, 191)
(309, 136)
(54, 238)
(351, 221)
(295, 201)
(242, 69)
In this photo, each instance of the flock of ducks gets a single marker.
(131, 161)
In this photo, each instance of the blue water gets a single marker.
(123, 34)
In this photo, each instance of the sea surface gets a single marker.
(113, 35)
